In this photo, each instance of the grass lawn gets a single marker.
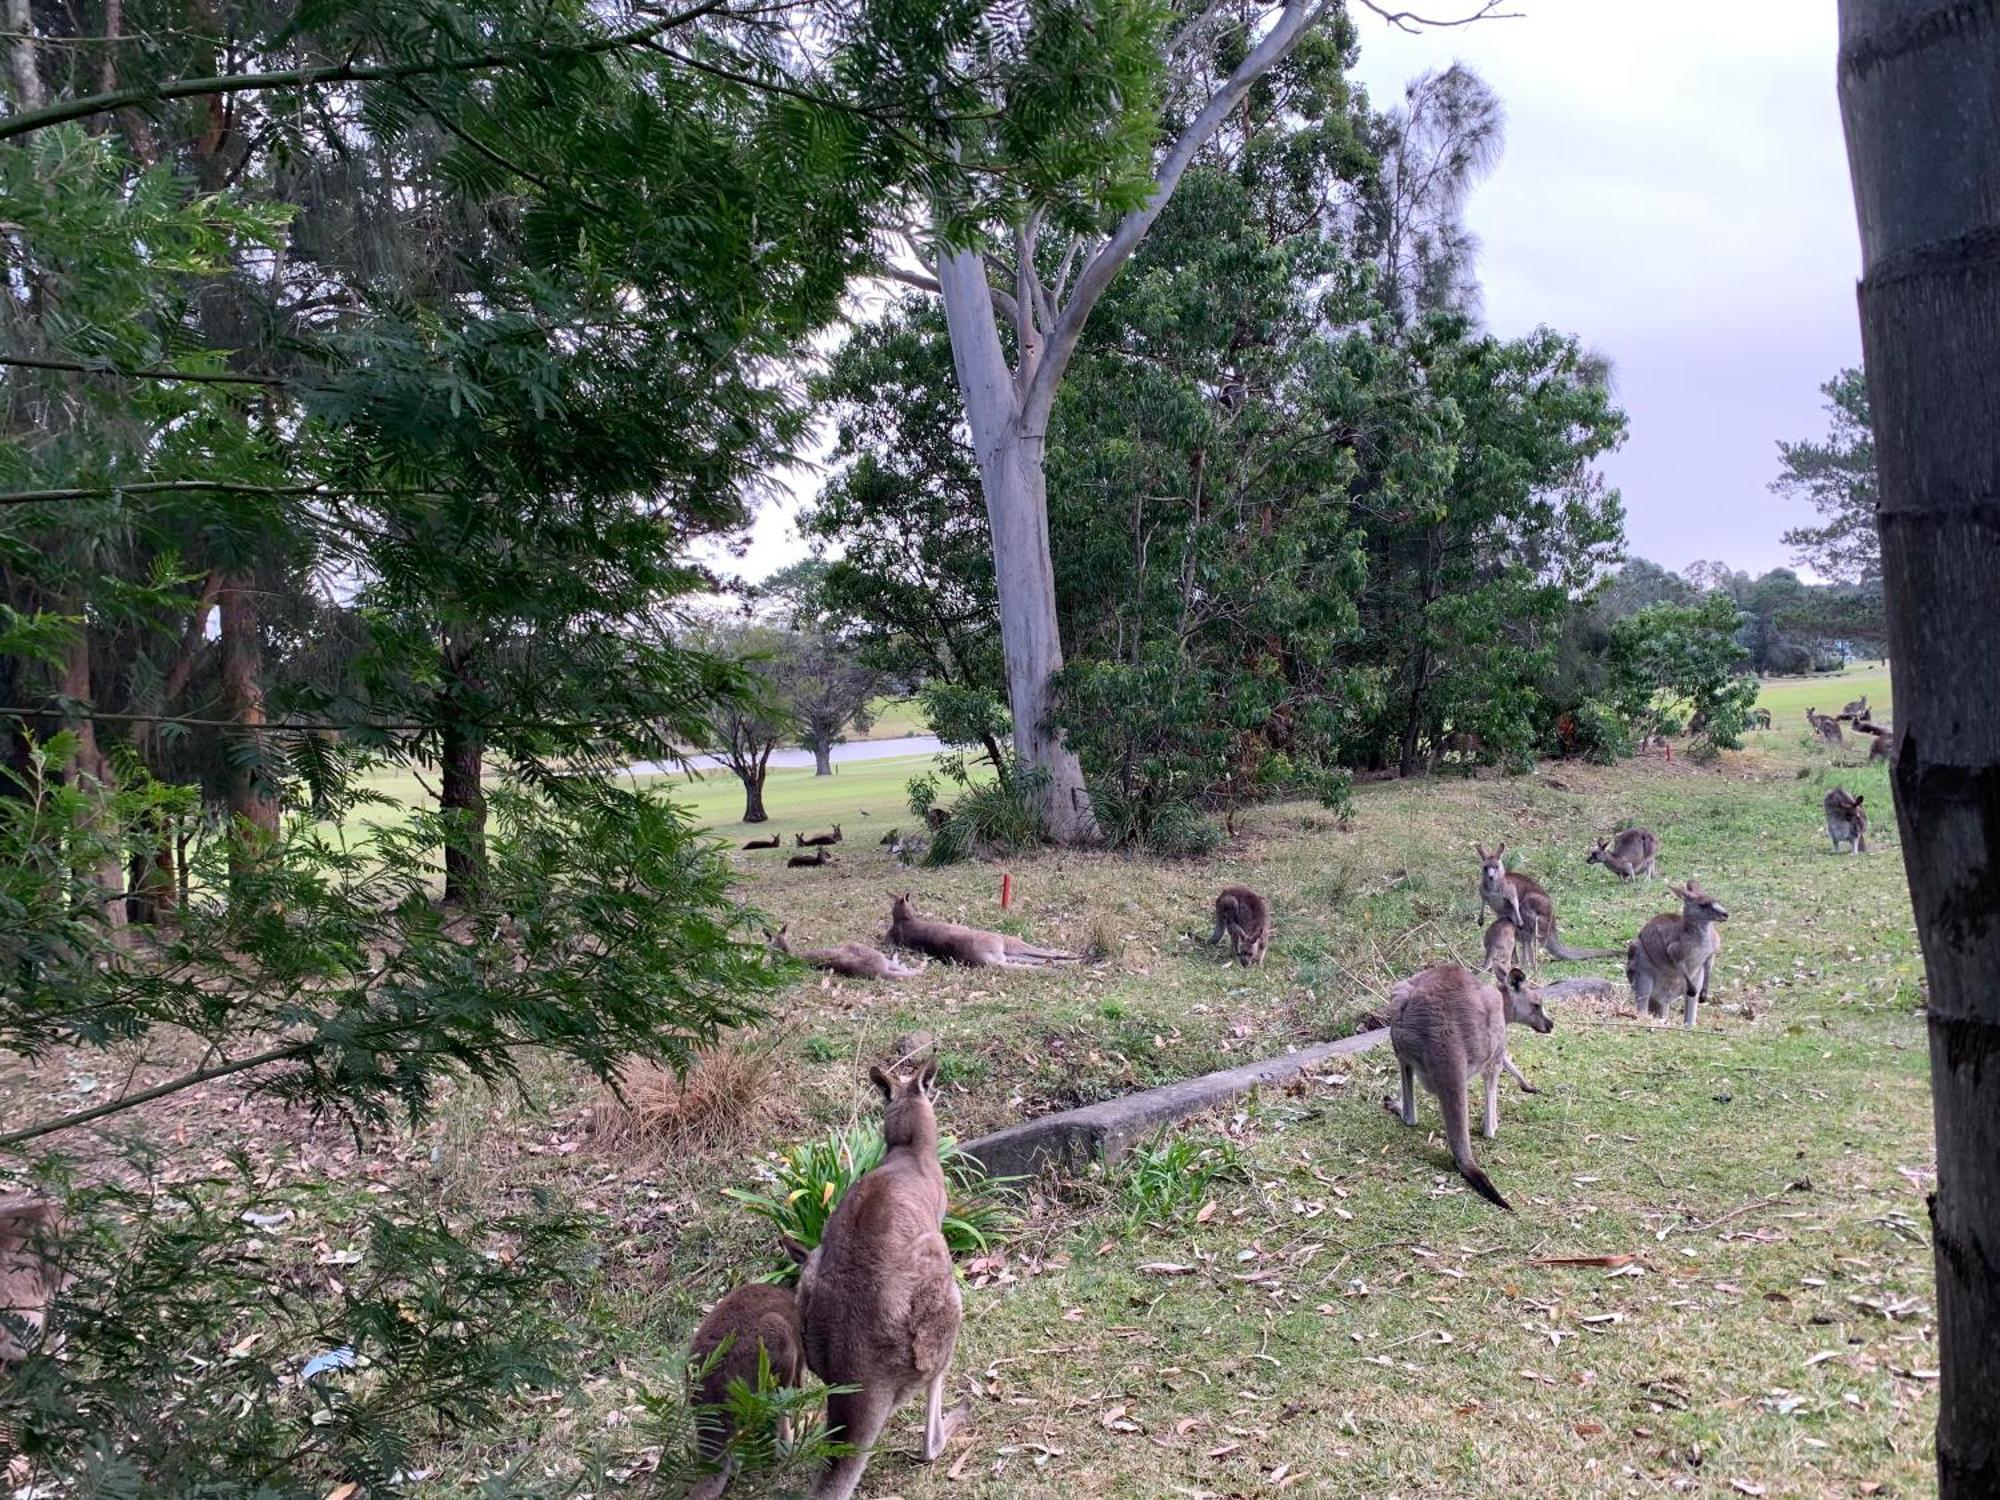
(1342, 1315)
(1339, 1314)
(1788, 698)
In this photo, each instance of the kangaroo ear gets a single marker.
(927, 1079)
(1678, 890)
(1515, 979)
(886, 1082)
(1499, 851)
(794, 1249)
(1859, 799)
(1483, 855)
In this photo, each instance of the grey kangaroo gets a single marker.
(819, 856)
(1447, 1024)
(1522, 901)
(770, 843)
(1846, 822)
(1676, 954)
(815, 840)
(1760, 718)
(752, 1321)
(29, 1274)
(855, 960)
(1827, 729)
(974, 947)
(878, 1297)
(1858, 707)
(1633, 852)
(1244, 915)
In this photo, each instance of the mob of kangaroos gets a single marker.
(1246, 917)
(1447, 1024)
(879, 1297)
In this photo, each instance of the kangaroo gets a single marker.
(1446, 1024)
(1632, 853)
(1858, 707)
(29, 1278)
(1846, 823)
(1760, 718)
(889, 839)
(1244, 915)
(855, 960)
(1500, 935)
(814, 841)
(754, 1320)
(1522, 901)
(819, 856)
(1827, 729)
(1676, 953)
(878, 1297)
(770, 843)
(974, 947)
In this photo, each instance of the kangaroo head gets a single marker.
(777, 939)
(799, 839)
(1524, 1003)
(1596, 856)
(908, 1116)
(1253, 952)
(1492, 873)
(900, 909)
(836, 830)
(1697, 904)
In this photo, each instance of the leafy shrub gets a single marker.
(809, 1181)
(1174, 1173)
(995, 817)
(1594, 730)
(752, 1414)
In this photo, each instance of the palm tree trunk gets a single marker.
(1921, 105)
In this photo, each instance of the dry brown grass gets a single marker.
(732, 1095)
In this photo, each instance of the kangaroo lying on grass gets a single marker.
(1633, 852)
(752, 1321)
(820, 856)
(770, 843)
(1676, 953)
(29, 1278)
(1846, 823)
(1447, 1024)
(974, 947)
(855, 960)
(1522, 901)
(1244, 915)
(813, 841)
(878, 1297)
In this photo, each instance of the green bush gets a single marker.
(810, 1180)
(1174, 1173)
(995, 817)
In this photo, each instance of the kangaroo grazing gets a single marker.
(29, 1278)
(1244, 915)
(1846, 823)
(1632, 853)
(1676, 953)
(878, 1297)
(1447, 1024)
(752, 1321)
(855, 960)
(1522, 901)
(1760, 718)
(1827, 729)
(819, 856)
(974, 947)
(770, 843)
(814, 841)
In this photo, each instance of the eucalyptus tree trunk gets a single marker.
(253, 801)
(1007, 408)
(462, 765)
(90, 772)
(823, 755)
(1920, 97)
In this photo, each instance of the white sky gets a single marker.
(1674, 191)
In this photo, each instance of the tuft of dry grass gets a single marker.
(731, 1096)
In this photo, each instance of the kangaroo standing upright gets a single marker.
(878, 1297)
(1676, 953)
(1446, 1024)
(1846, 823)
(752, 1321)
(1522, 901)
(1244, 915)
(1633, 852)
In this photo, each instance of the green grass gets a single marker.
(1788, 698)
(1348, 1318)
(867, 798)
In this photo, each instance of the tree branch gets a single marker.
(1099, 270)
(1410, 21)
(1003, 304)
(29, 120)
(202, 487)
(78, 367)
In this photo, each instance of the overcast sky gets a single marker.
(1674, 191)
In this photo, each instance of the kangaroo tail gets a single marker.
(1559, 949)
(1458, 1136)
(1018, 949)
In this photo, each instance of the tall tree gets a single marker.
(1836, 476)
(1921, 108)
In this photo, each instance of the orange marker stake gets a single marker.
(1006, 891)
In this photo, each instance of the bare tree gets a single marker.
(1920, 98)
(1444, 137)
